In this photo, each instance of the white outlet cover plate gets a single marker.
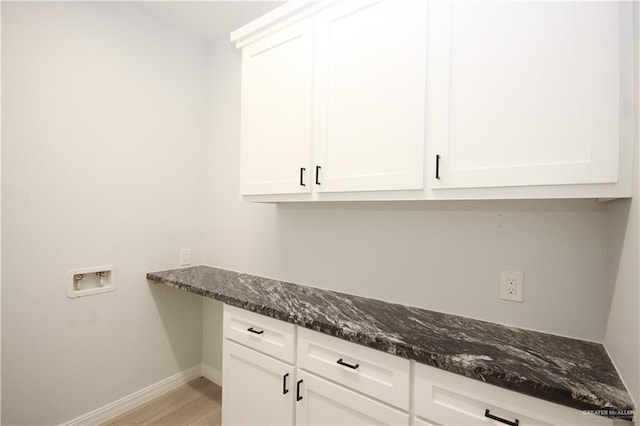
(505, 277)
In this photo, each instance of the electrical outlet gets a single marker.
(511, 286)
(185, 257)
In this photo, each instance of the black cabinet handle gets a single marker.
(298, 397)
(499, 419)
(318, 175)
(341, 362)
(302, 170)
(255, 331)
(284, 384)
(437, 166)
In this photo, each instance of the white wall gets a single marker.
(445, 256)
(0, 219)
(102, 141)
(239, 236)
(622, 337)
(103, 134)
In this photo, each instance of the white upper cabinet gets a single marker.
(276, 112)
(361, 66)
(440, 99)
(369, 105)
(524, 93)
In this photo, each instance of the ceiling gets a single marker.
(207, 20)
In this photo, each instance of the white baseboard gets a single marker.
(212, 374)
(138, 398)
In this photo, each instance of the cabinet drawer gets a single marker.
(446, 398)
(375, 373)
(267, 335)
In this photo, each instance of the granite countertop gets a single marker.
(571, 372)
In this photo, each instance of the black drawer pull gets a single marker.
(284, 384)
(318, 175)
(499, 419)
(341, 362)
(302, 169)
(298, 397)
(255, 331)
(437, 166)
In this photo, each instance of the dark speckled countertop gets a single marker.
(571, 372)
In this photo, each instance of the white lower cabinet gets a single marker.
(333, 382)
(258, 372)
(325, 403)
(275, 373)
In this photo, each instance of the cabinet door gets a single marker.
(276, 112)
(325, 403)
(523, 93)
(369, 100)
(257, 388)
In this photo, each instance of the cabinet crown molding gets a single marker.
(286, 14)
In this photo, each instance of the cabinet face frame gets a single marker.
(599, 162)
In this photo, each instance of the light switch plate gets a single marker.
(185, 257)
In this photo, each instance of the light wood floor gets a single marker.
(197, 403)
